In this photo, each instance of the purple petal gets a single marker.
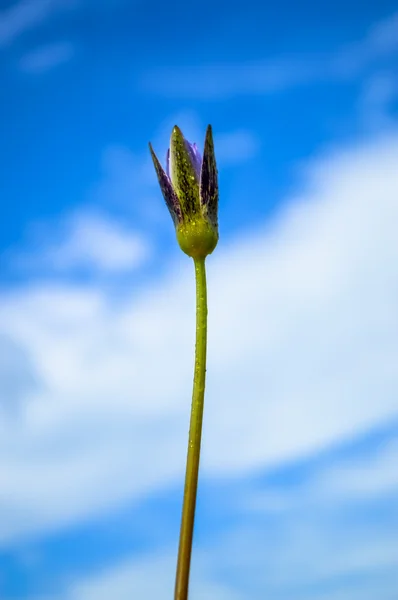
(195, 157)
(168, 192)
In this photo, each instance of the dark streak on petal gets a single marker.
(168, 162)
(167, 190)
(209, 181)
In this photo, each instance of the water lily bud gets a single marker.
(190, 188)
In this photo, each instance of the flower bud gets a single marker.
(190, 189)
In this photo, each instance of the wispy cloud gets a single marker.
(271, 75)
(379, 43)
(236, 147)
(336, 483)
(27, 14)
(378, 95)
(361, 478)
(85, 240)
(311, 548)
(383, 37)
(45, 58)
(150, 577)
(219, 81)
(126, 181)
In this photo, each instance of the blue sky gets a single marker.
(299, 487)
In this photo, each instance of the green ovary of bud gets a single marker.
(197, 237)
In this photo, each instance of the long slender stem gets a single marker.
(195, 435)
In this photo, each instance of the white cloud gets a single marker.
(149, 577)
(367, 478)
(288, 568)
(88, 240)
(293, 554)
(332, 485)
(300, 558)
(45, 58)
(312, 544)
(27, 14)
(302, 354)
(17, 376)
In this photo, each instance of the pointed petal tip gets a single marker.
(209, 134)
(177, 130)
(158, 165)
(176, 134)
(156, 161)
(151, 150)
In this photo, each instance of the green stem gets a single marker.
(195, 435)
